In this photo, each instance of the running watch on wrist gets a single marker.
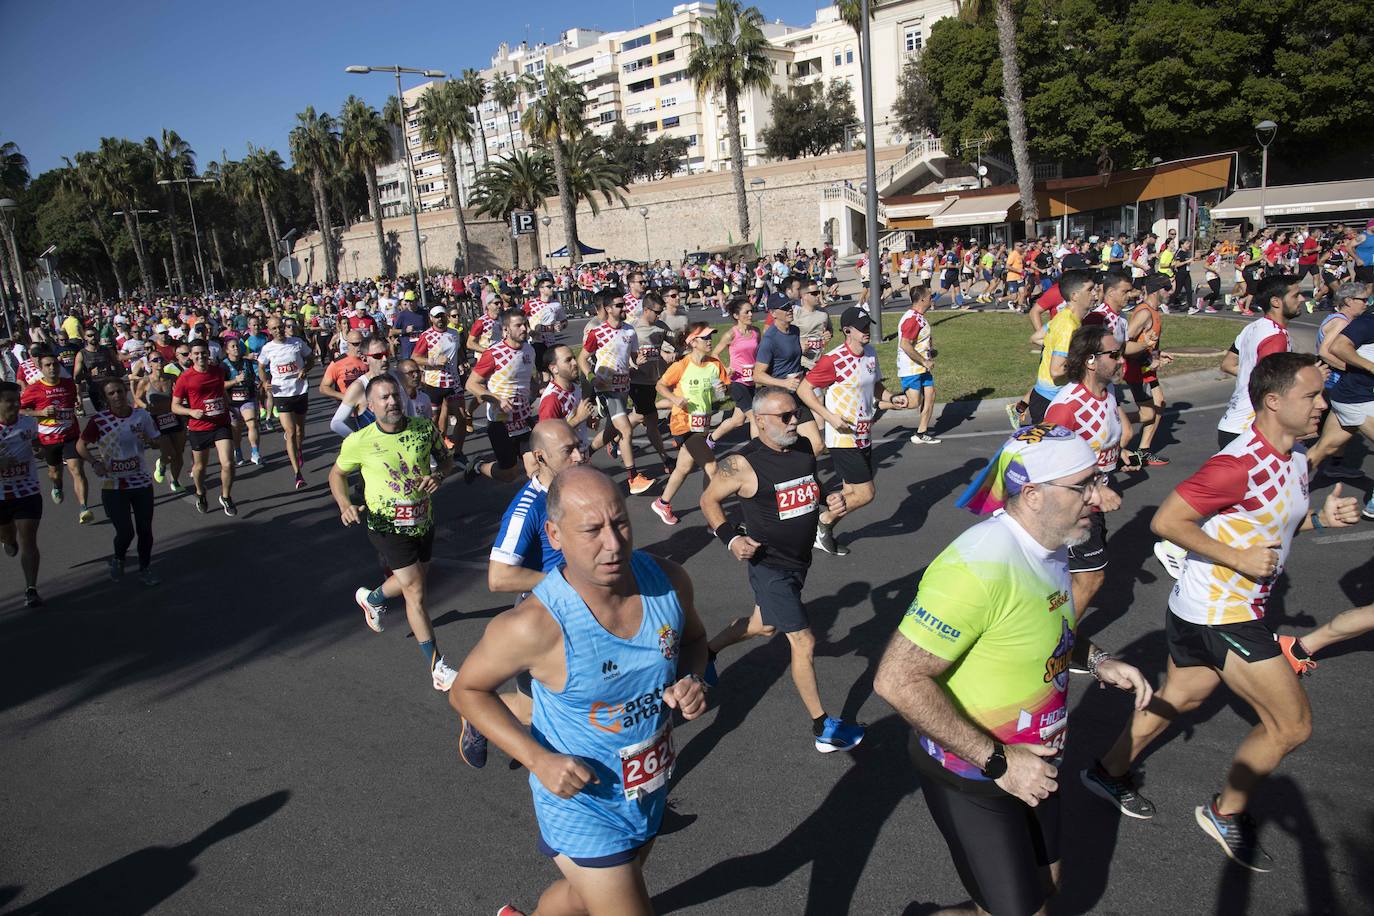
(996, 767)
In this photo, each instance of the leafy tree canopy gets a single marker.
(809, 119)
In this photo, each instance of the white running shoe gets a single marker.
(444, 676)
(1171, 557)
(371, 613)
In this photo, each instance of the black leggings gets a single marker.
(1214, 284)
(131, 511)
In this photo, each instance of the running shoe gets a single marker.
(176, 487)
(1235, 834)
(300, 481)
(1171, 557)
(1369, 508)
(1296, 653)
(838, 735)
(1014, 414)
(1194, 310)
(238, 459)
(158, 474)
(664, 512)
(116, 568)
(202, 504)
(11, 549)
(31, 598)
(86, 516)
(57, 495)
(256, 458)
(639, 484)
(924, 439)
(371, 613)
(1153, 460)
(228, 506)
(472, 746)
(444, 676)
(509, 910)
(148, 577)
(472, 472)
(1210, 310)
(1119, 791)
(825, 540)
(711, 443)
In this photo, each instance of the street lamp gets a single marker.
(757, 184)
(356, 276)
(1265, 131)
(644, 212)
(7, 208)
(546, 220)
(195, 230)
(410, 166)
(875, 275)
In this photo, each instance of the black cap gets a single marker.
(855, 317)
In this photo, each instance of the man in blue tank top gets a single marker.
(614, 645)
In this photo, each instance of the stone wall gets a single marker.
(691, 213)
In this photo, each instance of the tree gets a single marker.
(366, 144)
(444, 126)
(506, 92)
(78, 180)
(521, 181)
(14, 177)
(556, 118)
(475, 90)
(729, 56)
(809, 120)
(592, 175)
(261, 179)
(173, 159)
(121, 171)
(314, 152)
(914, 108)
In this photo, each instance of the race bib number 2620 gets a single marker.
(646, 766)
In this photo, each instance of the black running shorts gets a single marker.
(1194, 645)
(397, 551)
(853, 465)
(201, 439)
(777, 592)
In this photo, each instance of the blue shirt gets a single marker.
(780, 352)
(522, 540)
(255, 342)
(1356, 386)
(411, 325)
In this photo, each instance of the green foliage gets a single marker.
(642, 160)
(809, 120)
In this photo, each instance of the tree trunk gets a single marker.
(535, 259)
(331, 274)
(565, 200)
(375, 197)
(510, 133)
(737, 160)
(456, 199)
(172, 235)
(105, 246)
(1016, 114)
(514, 248)
(272, 238)
(139, 254)
(482, 133)
(219, 254)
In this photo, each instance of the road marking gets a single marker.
(1003, 433)
(1345, 538)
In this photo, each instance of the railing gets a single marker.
(853, 197)
(920, 149)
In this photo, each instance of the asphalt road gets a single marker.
(236, 740)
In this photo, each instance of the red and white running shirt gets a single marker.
(1096, 420)
(120, 441)
(444, 344)
(507, 371)
(18, 474)
(848, 380)
(913, 327)
(1253, 344)
(612, 352)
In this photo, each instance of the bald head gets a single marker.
(581, 486)
(555, 446)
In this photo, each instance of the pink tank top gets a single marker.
(742, 350)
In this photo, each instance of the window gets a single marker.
(664, 34)
(641, 85)
(669, 102)
(691, 141)
(606, 117)
(838, 59)
(911, 41)
(670, 122)
(667, 56)
(514, 117)
(676, 77)
(633, 43)
(849, 55)
(641, 64)
(633, 109)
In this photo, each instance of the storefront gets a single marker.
(1292, 205)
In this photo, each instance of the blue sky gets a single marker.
(72, 72)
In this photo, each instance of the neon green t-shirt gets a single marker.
(392, 466)
(1057, 335)
(998, 606)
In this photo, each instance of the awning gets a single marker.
(1294, 199)
(581, 246)
(983, 210)
(917, 214)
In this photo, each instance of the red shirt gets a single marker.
(203, 391)
(343, 372)
(361, 321)
(1051, 299)
(1309, 251)
(62, 426)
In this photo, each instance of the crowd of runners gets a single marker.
(774, 400)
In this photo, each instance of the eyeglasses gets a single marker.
(787, 416)
(1114, 354)
(1083, 489)
(377, 355)
(155, 360)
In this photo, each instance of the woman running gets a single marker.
(743, 342)
(693, 386)
(241, 382)
(113, 444)
(154, 394)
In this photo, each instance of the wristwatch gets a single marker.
(996, 766)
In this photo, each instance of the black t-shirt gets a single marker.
(1074, 261)
(783, 513)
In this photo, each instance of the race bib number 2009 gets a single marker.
(646, 766)
(797, 497)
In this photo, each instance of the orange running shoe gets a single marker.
(1290, 646)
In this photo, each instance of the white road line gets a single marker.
(1004, 432)
(1345, 538)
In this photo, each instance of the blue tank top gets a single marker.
(1365, 250)
(1321, 336)
(610, 713)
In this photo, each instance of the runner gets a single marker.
(547, 320)
(778, 364)
(394, 455)
(1078, 288)
(1351, 351)
(21, 499)
(1141, 372)
(1279, 302)
(153, 392)
(283, 364)
(113, 443)
(352, 413)
(916, 362)
(502, 380)
(199, 395)
(609, 355)
(439, 352)
(979, 668)
(854, 392)
(340, 373)
(741, 342)
(694, 385)
(562, 398)
(599, 779)
(409, 372)
(655, 350)
(1237, 517)
(241, 383)
(52, 400)
(93, 363)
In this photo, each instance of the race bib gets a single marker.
(238, 395)
(698, 422)
(797, 497)
(167, 421)
(410, 513)
(646, 767)
(812, 344)
(517, 423)
(123, 466)
(648, 352)
(14, 471)
(214, 407)
(746, 374)
(285, 370)
(620, 381)
(861, 432)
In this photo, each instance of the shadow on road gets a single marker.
(141, 880)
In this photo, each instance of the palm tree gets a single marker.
(506, 92)
(475, 87)
(444, 126)
(314, 152)
(592, 173)
(14, 177)
(521, 181)
(173, 159)
(554, 118)
(394, 116)
(119, 169)
(259, 179)
(729, 56)
(78, 179)
(366, 145)
(1014, 98)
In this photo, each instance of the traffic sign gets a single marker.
(522, 222)
(289, 268)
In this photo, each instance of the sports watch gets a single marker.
(996, 766)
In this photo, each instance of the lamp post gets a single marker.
(1265, 131)
(546, 220)
(195, 230)
(424, 245)
(138, 232)
(356, 276)
(7, 208)
(410, 166)
(644, 212)
(875, 274)
(757, 184)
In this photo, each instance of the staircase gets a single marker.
(928, 154)
(853, 198)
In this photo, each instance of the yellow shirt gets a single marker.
(1016, 263)
(1057, 336)
(71, 326)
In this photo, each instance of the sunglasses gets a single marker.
(377, 355)
(1114, 354)
(787, 416)
(156, 361)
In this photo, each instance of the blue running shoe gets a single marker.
(1235, 834)
(709, 675)
(838, 735)
(472, 746)
(1369, 508)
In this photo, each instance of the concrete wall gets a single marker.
(690, 213)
